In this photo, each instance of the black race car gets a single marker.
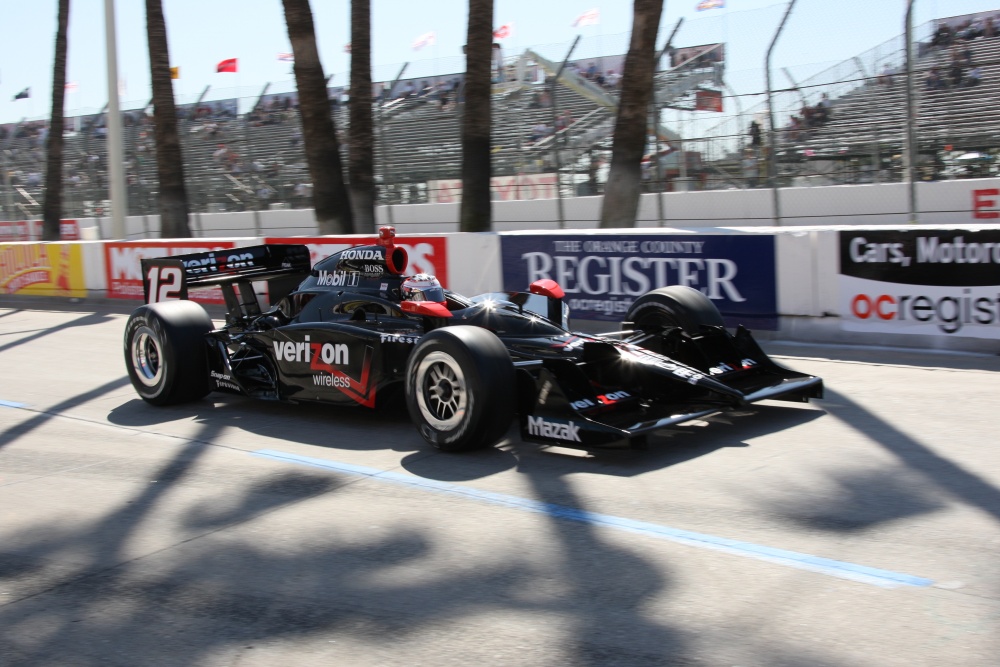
(355, 326)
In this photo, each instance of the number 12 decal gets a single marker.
(164, 283)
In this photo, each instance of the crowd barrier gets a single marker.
(920, 286)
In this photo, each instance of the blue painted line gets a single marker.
(11, 404)
(827, 566)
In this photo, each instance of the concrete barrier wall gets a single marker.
(938, 203)
(807, 257)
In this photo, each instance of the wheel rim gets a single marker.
(441, 391)
(147, 357)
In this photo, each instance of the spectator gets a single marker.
(221, 154)
(963, 57)
(933, 81)
(822, 111)
(592, 170)
(989, 28)
(564, 120)
(885, 78)
(301, 194)
(942, 36)
(956, 73)
(540, 131)
(612, 79)
(591, 71)
(974, 77)
(754, 133)
(296, 138)
(749, 166)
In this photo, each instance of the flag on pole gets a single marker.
(710, 4)
(347, 47)
(71, 87)
(227, 65)
(589, 17)
(24, 94)
(426, 39)
(175, 72)
(504, 31)
(286, 57)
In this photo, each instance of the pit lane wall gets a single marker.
(919, 286)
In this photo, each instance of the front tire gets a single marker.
(460, 388)
(166, 354)
(675, 306)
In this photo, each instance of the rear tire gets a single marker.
(166, 353)
(460, 388)
(675, 306)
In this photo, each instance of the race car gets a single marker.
(356, 326)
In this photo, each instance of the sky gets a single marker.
(203, 32)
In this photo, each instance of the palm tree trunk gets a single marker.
(330, 200)
(169, 161)
(621, 193)
(53, 204)
(477, 212)
(360, 169)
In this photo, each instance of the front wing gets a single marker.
(619, 393)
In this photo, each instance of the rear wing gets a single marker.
(167, 278)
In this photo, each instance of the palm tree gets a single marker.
(360, 168)
(621, 193)
(330, 201)
(476, 212)
(52, 205)
(173, 198)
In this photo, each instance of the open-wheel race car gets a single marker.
(356, 326)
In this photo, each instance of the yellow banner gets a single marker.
(42, 269)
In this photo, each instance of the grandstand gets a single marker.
(262, 163)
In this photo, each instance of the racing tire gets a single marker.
(675, 306)
(166, 353)
(460, 388)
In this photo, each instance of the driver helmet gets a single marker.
(422, 287)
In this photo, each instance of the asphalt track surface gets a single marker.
(863, 529)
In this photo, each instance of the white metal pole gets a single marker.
(116, 156)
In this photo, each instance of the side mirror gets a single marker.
(547, 287)
(558, 313)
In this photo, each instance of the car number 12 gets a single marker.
(164, 283)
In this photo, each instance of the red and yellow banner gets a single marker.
(42, 269)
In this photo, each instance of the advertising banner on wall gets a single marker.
(50, 269)
(921, 282)
(20, 230)
(426, 254)
(603, 275)
(121, 265)
(31, 230)
(502, 188)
